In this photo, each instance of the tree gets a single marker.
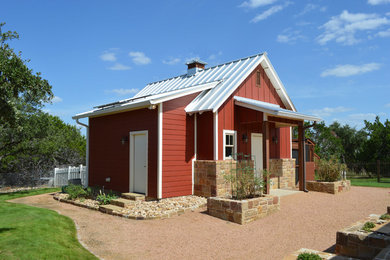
(19, 86)
(352, 141)
(31, 142)
(377, 146)
(41, 143)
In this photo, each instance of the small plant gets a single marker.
(368, 226)
(75, 191)
(244, 182)
(105, 199)
(385, 217)
(63, 188)
(308, 256)
(329, 170)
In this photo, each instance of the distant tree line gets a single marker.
(350, 145)
(32, 142)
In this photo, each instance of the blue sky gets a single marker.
(332, 56)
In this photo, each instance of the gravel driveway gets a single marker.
(307, 220)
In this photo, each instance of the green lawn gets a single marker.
(370, 182)
(33, 233)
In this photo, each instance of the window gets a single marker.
(258, 78)
(229, 145)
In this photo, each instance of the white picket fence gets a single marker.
(63, 175)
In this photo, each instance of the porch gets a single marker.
(262, 134)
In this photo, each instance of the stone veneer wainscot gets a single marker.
(242, 211)
(209, 177)
(282, 173)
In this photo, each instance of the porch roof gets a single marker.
(273, 109)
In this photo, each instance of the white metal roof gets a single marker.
(144, 101)
(272, 109)
(216, 84)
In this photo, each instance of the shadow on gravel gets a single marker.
(331, 249)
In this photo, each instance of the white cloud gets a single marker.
(267, 13)
(56, 100)
(289, 36)
(215, 55)
(350, 70)
(122, 91)
(384, 33)
(256, 3)
(378, 2)
(357, 120)
(139, 58)
(171, 61)
(119, 66)
(328, 111)
(108, 56)
(387, 105)
(343, 28)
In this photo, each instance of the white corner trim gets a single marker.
(224, 143)
(195, 150)
(215, 114)
(131, 159)
(159, 150)
(87, 149)
(291, 142)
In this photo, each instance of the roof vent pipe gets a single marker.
(193, 66)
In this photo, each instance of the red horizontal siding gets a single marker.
(246, 121)
(109, 158)
(178, 148)
(205, 138)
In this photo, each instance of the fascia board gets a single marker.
(277, 83)
(113, 109)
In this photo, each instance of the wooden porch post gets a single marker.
(301, 157)
(266, 153)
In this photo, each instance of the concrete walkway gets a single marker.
(282, 192)
(307, 220)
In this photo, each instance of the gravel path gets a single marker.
(307, 220)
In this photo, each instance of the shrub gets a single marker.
(368, 226)
(308, 256)
(244, 183)
(329, 170)
(75, 191)
(105, 199)
(63, 189)
(385, 216)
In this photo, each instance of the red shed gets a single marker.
(148, 144)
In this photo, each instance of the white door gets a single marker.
(138, 162)
(257, 152)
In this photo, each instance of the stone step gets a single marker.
(133, 196)
(121, 202)
(109, 208)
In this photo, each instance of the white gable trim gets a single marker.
(274, 78)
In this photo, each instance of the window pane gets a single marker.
(231, 140)
(229, 151)
(227, 139)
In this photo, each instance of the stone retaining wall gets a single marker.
(354, 242)
(282, 173)
(329, 187)
(242, 211)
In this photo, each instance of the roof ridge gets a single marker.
(229, 62)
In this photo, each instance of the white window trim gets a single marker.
(225, 132)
